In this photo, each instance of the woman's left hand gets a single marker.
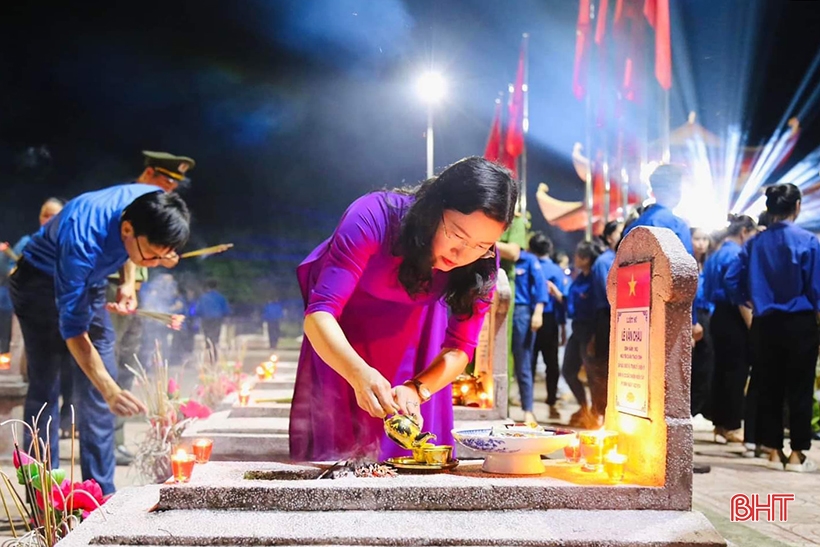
(409, 402)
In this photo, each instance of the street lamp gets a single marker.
(431, 88)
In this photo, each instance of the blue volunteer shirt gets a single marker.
(82, 246)
(212, 305)
(553, 272)
(580, 304)
(659, 216)
(714, 272)
(599, 274)
(701, 302)
(777, 270)
(530, 285)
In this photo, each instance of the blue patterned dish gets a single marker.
(514, 455)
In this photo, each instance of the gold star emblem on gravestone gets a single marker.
(632, 284)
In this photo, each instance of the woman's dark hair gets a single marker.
(540, 244)
(469, 185)
(161, 217)
(781, 200)
(588, 249)
(764, 219)
(609, 229)
(739, 224)
(560, 255)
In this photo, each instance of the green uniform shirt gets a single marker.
(515, 233)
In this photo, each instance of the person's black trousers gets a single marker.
(788, 355)
(731, 370)
(703, 362)
(546, 342)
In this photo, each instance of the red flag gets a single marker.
(657, 13)
(600, 26)
(514, 142)
(579, 70)
(493, 148)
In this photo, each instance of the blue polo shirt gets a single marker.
(599, 273)
(777, 270)
(714, 272)
(212, 305)
(82, 246)
(553, 272)
(659, 216)
(530, 285)
(580, 304)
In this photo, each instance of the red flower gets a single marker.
(87, 496)
(193, 409)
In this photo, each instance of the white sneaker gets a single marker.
(699, 423)
(806, 466)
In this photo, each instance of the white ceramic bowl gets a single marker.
(514, 455)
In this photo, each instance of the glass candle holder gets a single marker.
(182, 465)
(202, 450)
(594, 444)
(270, 369)
(244, 397)
(572, 452)
(261, 373)
(614, 465)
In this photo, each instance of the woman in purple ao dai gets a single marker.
(378, 336)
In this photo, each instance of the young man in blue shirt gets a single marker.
(552, 333)
(530, 296)
(58, 292)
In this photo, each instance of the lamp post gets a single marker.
(431, 88)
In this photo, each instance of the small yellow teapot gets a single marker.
(405, 432)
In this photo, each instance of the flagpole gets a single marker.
(589, 120)
(666, 153)
(525, 123)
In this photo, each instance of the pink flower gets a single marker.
(173, 387)
(25, 457)
(193, 409)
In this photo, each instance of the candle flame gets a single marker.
(181, 454)
(274, 357)
(465, 388)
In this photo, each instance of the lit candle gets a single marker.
(572, 452)
(202, 450)
(483, 400)
(614, 465)
(244, 395)
(594, 444)
(261, 373)
(273, 357)
(182, 465)
(465, 389)
(270, 369)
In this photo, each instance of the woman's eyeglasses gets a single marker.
(488, 250)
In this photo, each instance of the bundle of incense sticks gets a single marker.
(208, 251)
(172, 320)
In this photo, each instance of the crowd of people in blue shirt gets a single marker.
(754, 322)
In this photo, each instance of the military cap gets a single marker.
(169, 165)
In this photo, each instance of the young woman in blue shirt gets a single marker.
(779, 273)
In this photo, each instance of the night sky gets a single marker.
(293, 108)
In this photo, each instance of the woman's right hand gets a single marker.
(374, 394)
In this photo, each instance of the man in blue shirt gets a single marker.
(666, 183)
(530, 297)
(212, 308)
(58, 292)
(547, 338)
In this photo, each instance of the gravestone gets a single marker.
(13, 383)
(650, 288)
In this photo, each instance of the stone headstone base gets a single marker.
(130, 521)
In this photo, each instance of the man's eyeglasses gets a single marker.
(489, 251)
(149, 258)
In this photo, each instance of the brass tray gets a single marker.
(410, 465)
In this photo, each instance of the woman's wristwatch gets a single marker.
(421, 389)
